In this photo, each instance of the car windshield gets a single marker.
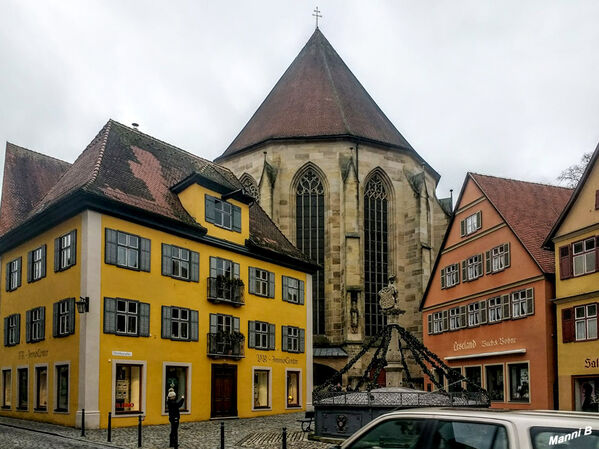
(584, 437)
(469, 435)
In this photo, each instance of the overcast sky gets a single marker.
(505, 88)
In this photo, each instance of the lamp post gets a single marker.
(83, 308)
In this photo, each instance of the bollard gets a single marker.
(139, 431)
(284, 442)
(82, 422)
(222, 435)
(109, 427)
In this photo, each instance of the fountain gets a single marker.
(340, 413)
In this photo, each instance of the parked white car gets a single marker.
(462, 428)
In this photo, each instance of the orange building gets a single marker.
(487, 310)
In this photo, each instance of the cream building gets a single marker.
(343, 184)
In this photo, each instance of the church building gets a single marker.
(342, 183)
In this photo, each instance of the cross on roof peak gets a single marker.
(317, 15)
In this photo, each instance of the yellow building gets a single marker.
(575, 237)
(187, 284)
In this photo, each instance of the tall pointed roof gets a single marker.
(317, 97)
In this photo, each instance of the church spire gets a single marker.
(317, 15)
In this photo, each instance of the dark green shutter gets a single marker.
(488, 259)
(71, 329)
(430, 323)
(445, 316)
(530, 301)
(43, 270)
(19, 270)
(73, 247)
(110, 247)
(284, 283)
(213, 323)
(144, 319)
(166, 322)
(28, 326)
(482, 310)
(271, 336)
(18, 336)
(109, 315)
(479, 219)
(145, 256)
(235, 324)
(209, 209)
(301, 292)
(6, 331)
(463, 228)
(252, 276)
(442, 278)
(30, 266)
(464, 271)
(195, 266)
(462, 318)
(43, 322)
(57, 254)
(236, 270)
(271, 285)
(194, 326)
(7, 286)
(251, 334)
(167, 266)
(236, 218)
(284, 338)
(302, 337)
(506, 248)
(55, 311)
(505, 304)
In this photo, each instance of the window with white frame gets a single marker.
(293, 290)
(126, 317)
(471, 224)
(64, 317)
(498, 258)
(586, 322)
(177, 377)
(179, 323)
(6, 388)
(293, 389)
(519, 382)
(180, 263)
(262, 282)
(261, 388)
(22, 388)
(437, 322)
(454, 318)
(13, 274)
(450, 275)
(495, 309)
(473, 314)
(65, 251)
(584, 257)
(128, 389)
(12, 325)
(62, 388)
(36, 261)
(522, 303)
(293, 339)
(223, 214)
(180, 259)
(36, 321)
(474, 267)
(41, 388)
(261, 335)
(127, 250)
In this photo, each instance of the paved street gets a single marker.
(252, 433)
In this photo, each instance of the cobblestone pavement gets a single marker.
(249, 433)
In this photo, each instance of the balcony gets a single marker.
(226, 345)
(226, 290)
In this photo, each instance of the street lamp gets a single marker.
(83, 304)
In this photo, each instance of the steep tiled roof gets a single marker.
(317, 96)
(28, 176)
(529, 209)
(126, 166)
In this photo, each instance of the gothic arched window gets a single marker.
(309, 220)
(250, 187)
(375, 252)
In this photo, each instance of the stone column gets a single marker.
(390, 305)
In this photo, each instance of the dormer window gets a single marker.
(223, 214)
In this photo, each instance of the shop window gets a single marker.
(584, 256)
(523, 303)
(494, 382)
(262, 282)
(261, 388)
(498, 258)
(586, 322)
(23, 388)
(128, 389)
(65, 251)
(474, 376)
(13, 274)
(63, 322)
(261, 335)
(586, 391)
(6, 388)
(127, 250)
(450, 275)
(293, 290)
(177, 378)
(12, 329)
(293, 389)
(223, 214)
(471, 224)
(36, 264)
(41, 388)
(180, 263)
(293, 339)
(62, 388)
(519, 382)
(35, 327)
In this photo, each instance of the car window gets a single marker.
(469, 435)
(393, 434)
(562, 438)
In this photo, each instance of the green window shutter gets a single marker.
(530, 301)
(195, 266)
(301, 292)
(55, 319)
(72, 307)
(488, 259)
(442, 278)
(209, 209)
(480, 264)
(109, 315)
(145, 254)
(110, 247)
(235, 324)
(505, 304)
(302, 338)
(167, 265)
(57, 254)
(213, 323)
(73, 247)
(464, 271)
(19, 265)
(30, 266)
(213, 266)
(236, 270)
(7, 273)
(284, 283)
(43, 271)
(284, 338)
(506, 248)
(271, 336)
(236, 218)
(6, 331)
(166, 322)
(144, 319)
(479, 219)
(271, 285)
(445, 316)
(251, 334)
(43, 321)
(18, 339)
(430, 323)
(462, 316)
(194, 325)
(28, 326)
(252, 277)
(463, 228)
(482, 310)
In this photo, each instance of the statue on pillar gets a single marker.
(389, 302)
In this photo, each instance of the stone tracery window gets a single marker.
(250, 186)
(310, 236)
(376, 251)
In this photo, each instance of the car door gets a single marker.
(394, 433)
(468, 434)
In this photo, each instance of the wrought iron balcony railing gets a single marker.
(226, 290)
(226, 344)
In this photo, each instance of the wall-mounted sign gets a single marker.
(24, 355)
(122, 353)
(272, 359)
(591, 363)
(483, 343)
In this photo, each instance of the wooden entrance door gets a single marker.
(224, 390)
